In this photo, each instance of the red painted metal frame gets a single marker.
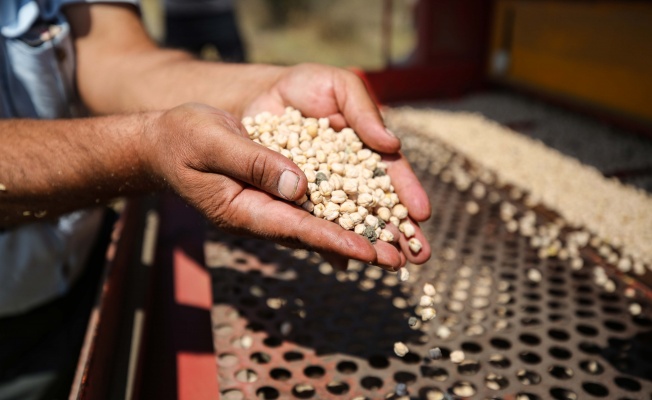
(179, 359)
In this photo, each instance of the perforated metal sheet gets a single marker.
(287, 326)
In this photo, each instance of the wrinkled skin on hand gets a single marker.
(206, 156)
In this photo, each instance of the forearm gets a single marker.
(120, 69)
(51, 167)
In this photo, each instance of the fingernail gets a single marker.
(390, 133)
(287, 184)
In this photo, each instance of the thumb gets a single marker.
(232, 153)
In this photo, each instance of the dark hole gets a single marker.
(555, 305)
(556, 280)
(558, 334)
(532, 296)
(610, 297)
(557, 292)
(595, 389)
(303, 391)
(584, 301)
(615, 325)
(532, 309)
(627, 384)
(347, 367)
(500, 343)
(267, 393)
(592, 367)
(587, 330)
(468, 367)
(584, 289)
(580, 275)
(585, 313)
(496, 382)
(280, 374)
(529, 357)
(314, 371)
(371, 382)
(560, 353)
(411, 358)
(530, 339)
(337, 387)
(612, 310)
(471, 347)
(562, 394)
(560, 372)
(438, 374)
(499, 361)
(272, 341)
(508, 275)
(530, 321)
(260, 358)
(527, 396)
(377, 361)
(240, 260)
(528, 377)
(590, 348)
(293, 356)
(405, 377)
(557, 317)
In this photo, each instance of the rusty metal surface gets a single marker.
(316, 333)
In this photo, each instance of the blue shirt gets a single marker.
(40, 261)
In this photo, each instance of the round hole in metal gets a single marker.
(267, 393)
(292, 356)
(280, 374)
(585, 313)
(615, 326)
(560, 372)
(495, 382)
(435, 373)
(411, 358)
(527, 396)
(612, 310)
(531, 309)
(246, 375)
(529, 339)
(463, 389)
(227, 360)
(314, 371)
(347, 367)
(378, 361)
(405, 377)
(232, 394)
(272, 341)
(528, 377)
(337, 387)
(642, 321)
(499, 361)
(595, 389)
(371, 383)
(560, 353)
(592, 367)
(430, 392)
(587, 330)
(627, 383)
(558, 393)
(529, 357)
(590, 348)
(554, 317)
(530, 321)
(303, 390)
(471, 347)
(500, 343)
(559, 334)
(260, 357)
(468, 367)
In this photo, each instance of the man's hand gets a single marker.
(206, 156)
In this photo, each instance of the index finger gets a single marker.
(361, 113)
